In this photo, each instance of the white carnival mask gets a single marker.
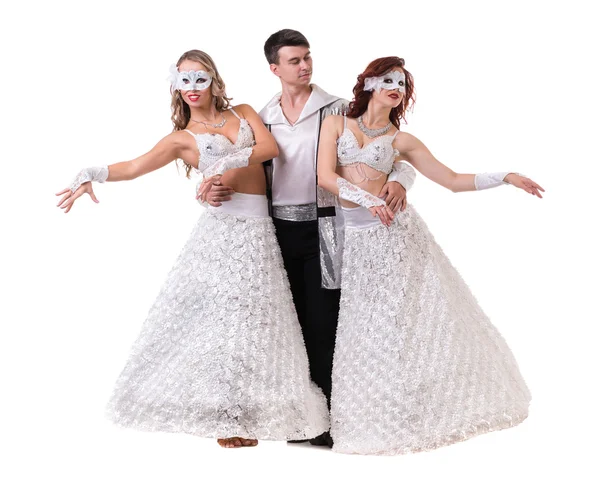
(390, 81)
(190, 80)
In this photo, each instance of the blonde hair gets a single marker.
(180, 110)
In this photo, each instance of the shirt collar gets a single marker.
(272, 114)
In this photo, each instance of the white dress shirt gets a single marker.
(294, 170)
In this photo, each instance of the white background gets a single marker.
(501, 86)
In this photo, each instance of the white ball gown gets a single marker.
(417, 363)
(221, 352)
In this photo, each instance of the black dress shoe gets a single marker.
(322, 440)
(296, 441)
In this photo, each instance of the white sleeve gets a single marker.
(403, 173)
(239, 159)
(357, 195)
(483, 181)
(96, 173)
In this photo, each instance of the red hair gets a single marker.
(378, 68)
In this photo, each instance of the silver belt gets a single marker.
(306, 212)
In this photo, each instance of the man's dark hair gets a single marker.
(283, 38)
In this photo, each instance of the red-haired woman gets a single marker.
(417, 362)
(221, 353)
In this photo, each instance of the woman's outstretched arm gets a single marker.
(415, 152)
(176, 145)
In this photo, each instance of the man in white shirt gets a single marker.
(303, 213)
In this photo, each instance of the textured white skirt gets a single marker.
(221, 353)
(417, 363)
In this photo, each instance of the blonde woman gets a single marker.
(221, 353)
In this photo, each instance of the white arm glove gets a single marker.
(239, 159)
(403, 173)
(96, 173)
(483, 181)
(357, 195)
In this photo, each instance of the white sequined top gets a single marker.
(379, 154)
(214, 146)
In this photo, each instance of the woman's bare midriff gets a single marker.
(351, 174)
(250, 180)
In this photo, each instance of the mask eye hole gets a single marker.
(185, 81)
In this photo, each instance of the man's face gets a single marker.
(294, 67)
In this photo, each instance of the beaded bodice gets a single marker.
(379, 154)
(214, 146)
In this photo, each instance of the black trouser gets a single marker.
(317, 307)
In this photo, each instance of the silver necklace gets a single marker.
(372, 133)
(214, 125)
